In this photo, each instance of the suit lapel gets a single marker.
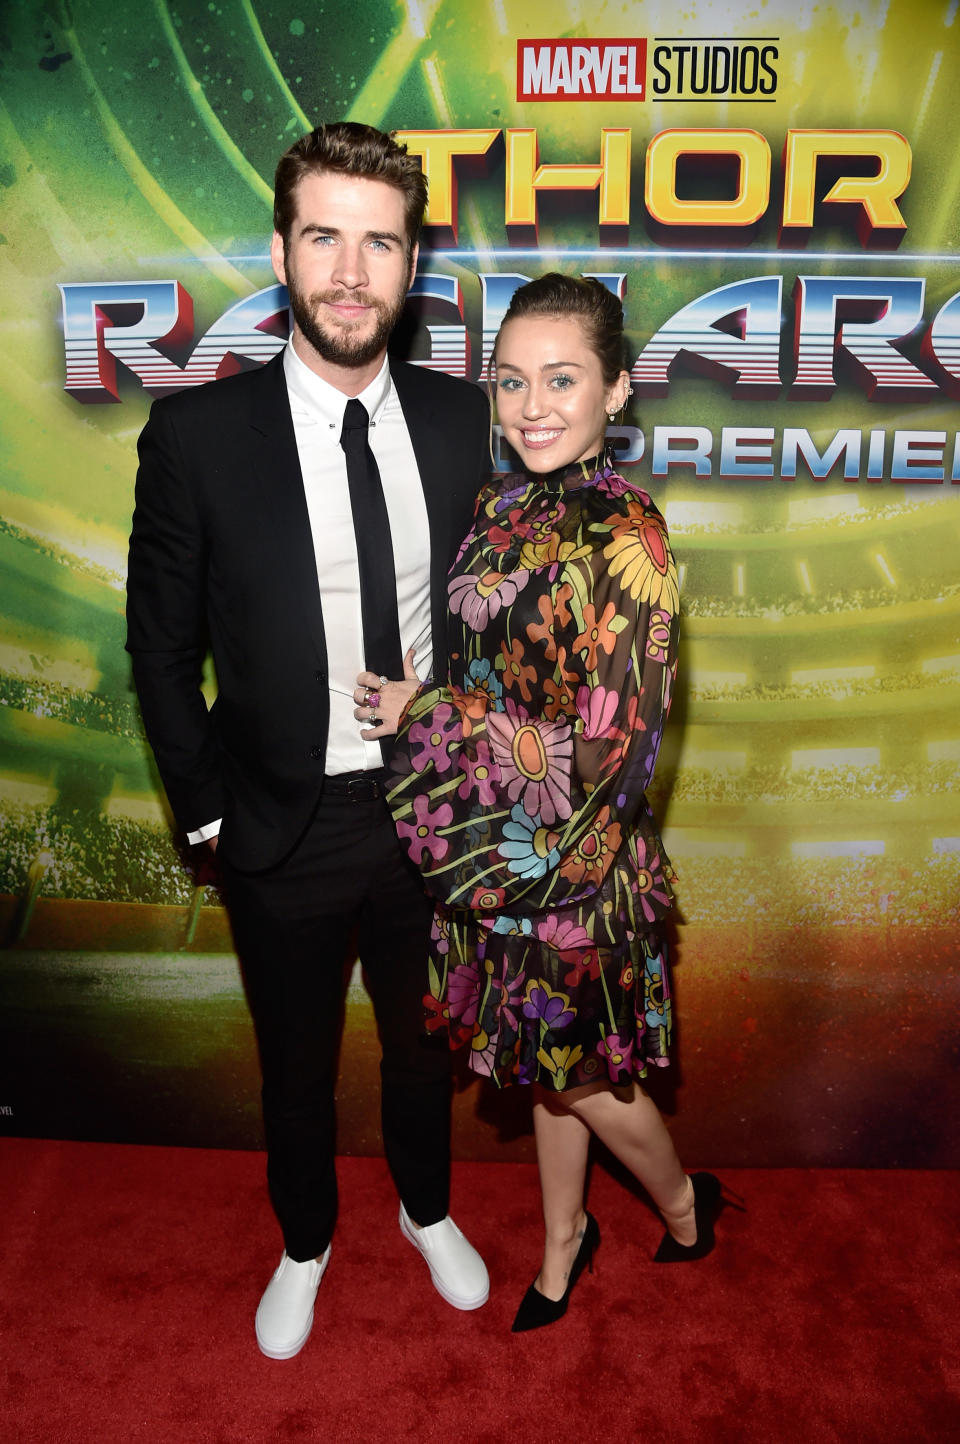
(274, 457)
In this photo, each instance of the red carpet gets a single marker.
(130, 1276)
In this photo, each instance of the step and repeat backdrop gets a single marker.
(775, 194)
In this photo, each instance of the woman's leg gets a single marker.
(562, 1144)
(629, 1123)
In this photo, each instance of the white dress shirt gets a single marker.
(317, 409)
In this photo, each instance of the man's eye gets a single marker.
(323, 240)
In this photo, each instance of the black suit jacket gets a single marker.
(221, 551)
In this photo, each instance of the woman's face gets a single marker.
(552, 401)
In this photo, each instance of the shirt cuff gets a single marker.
(204, 834)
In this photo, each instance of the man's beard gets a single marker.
(343, 346)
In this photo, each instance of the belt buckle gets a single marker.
(361, 789)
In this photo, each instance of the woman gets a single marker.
(519, 788)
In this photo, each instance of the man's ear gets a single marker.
(277, 258)
(414, 257)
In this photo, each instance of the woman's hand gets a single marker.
(380, 701)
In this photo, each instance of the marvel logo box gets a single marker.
(581, 69)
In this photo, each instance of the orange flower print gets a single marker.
(594, 852)
(564, 593)
(516, 672)
(560, 699)
(596, 634)
(542, 631)
(567, 669)
(635, 516)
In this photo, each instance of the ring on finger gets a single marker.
(384, 681)
(373, 715)
(373, 700)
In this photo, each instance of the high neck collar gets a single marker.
(576, 474)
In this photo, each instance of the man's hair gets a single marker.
(586, 300)
(346, 148)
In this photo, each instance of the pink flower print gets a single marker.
(597, 706)
(615, 485)
(421, 835)
(480, 776)
(563, 935)
(483, 1054)
(620, 737)
(429, 740)
(618, 1053)
(463, 992)
(511, 999)
(478, 599)
(658, 636)
(649, 878)
(534, 757)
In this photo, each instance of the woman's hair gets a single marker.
(347, 148)
(587, 301)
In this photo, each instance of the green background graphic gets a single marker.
(809, 785)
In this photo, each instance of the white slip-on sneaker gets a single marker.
(285, 1313)
(458, 1272)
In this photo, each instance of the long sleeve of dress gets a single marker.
(520, 787)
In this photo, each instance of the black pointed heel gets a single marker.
(536, 1309)
(708, 1203)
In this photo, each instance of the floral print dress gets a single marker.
(518, 789)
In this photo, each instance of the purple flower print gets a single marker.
(552, 1009)
(440, 932)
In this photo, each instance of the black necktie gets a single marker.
(383, 653)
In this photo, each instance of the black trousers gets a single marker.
(293, 928)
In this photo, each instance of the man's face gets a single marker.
(346, 267)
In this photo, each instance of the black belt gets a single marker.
(357, 786)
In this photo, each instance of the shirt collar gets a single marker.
(321, 402)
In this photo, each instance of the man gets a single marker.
(303, 517)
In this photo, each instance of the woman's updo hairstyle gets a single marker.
(587, 301)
